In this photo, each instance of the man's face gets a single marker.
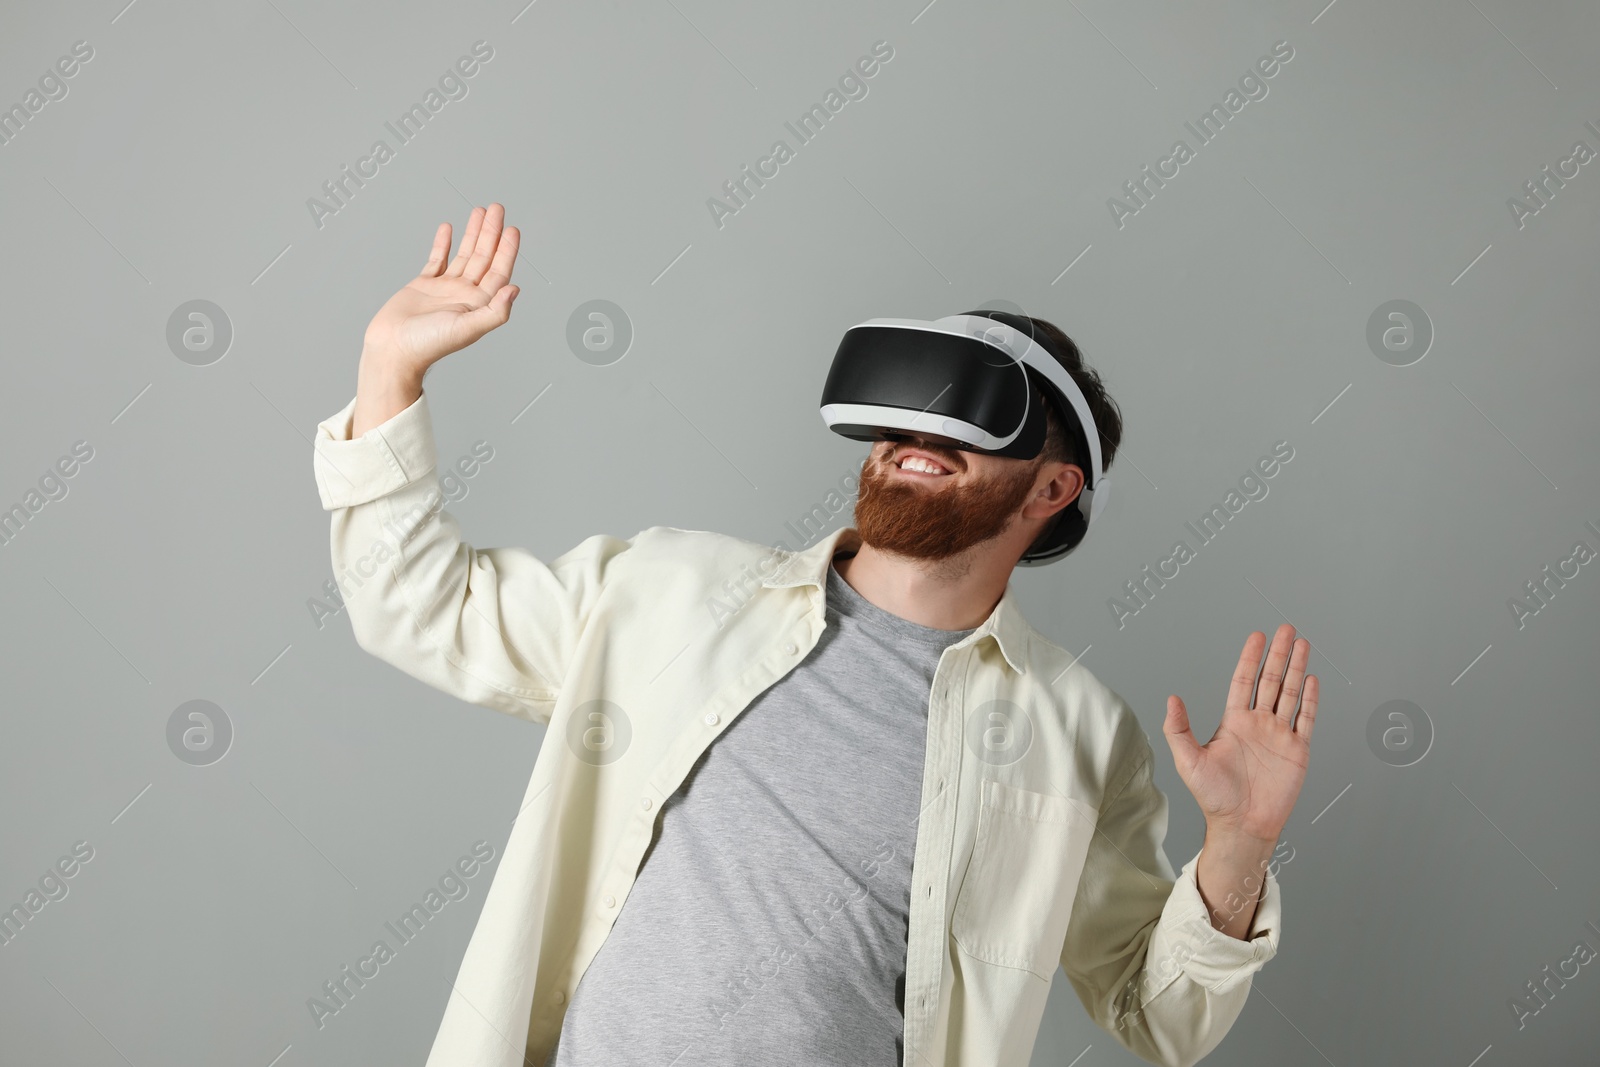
(955, 500)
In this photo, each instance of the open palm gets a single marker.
(1248, 776)
(444, 309)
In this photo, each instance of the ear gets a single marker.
(1057, 486)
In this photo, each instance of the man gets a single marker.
(860, 814)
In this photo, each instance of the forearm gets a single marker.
(1231, 875)
(384, 388)
(1144, 952)
(416, 594)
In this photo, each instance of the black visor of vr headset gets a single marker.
(969, 382)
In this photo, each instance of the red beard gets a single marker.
(932, 521)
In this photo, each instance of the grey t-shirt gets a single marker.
(768, 921)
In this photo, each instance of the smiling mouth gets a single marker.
(918, 467)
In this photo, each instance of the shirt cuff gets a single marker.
(1185, 941)
(388, 457)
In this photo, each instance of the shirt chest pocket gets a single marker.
(1016, 898)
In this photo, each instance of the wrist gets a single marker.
(1236, 840)
(384, 388)
(383, 364)
(1232, 874)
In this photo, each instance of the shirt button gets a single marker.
(611, 901)
(644, 802)
(560, 997)
(791, 648)
(711, 718)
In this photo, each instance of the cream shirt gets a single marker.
(1040, 839)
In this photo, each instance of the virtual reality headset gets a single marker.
(969, 382)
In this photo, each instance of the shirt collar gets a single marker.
(809, 566)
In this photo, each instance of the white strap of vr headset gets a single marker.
(1026, 350)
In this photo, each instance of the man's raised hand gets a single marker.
(440, 311)
(445, 309)
(1247, 777)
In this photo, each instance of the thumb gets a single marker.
(1186, 751)
(479, 321)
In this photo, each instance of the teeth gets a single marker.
(917, 463)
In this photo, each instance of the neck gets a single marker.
(958, 593)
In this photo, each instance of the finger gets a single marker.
(1307, 719)
(441, 249)
(505, 257)
(1294, 678)
(488, 239)
(1272, 673)
(468, 240)
(1244, 675)
(1186, 747)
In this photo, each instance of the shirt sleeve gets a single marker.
(1140, 949)
(492, 626)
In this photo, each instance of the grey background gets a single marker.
(1229, 314)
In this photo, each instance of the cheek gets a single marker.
(990, 469)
